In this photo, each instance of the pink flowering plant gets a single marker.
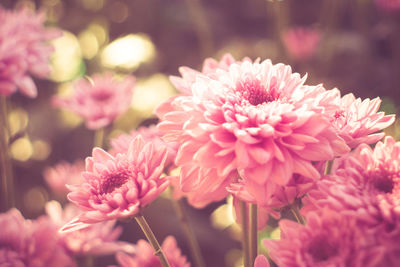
(304, 174)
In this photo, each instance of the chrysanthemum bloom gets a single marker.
(328, 239)
(256, 118)
(97, 239)
(144, 256)
(64, 173)
(25, 243)
(119, 186)
(358, 121)
(365, 185)
(301, 42)
(24, 50)
(388, 5)
(120, 144)
(100, 100)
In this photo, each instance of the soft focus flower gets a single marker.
(119, 186)
(24, 50)
(64, 173)
(388, 5)
(357, 121)
(261, 261)
(255, 118)
(365, 186)
(120, 144)
(97, 239)
(145, 257)
(328, 239)
(30, 243)
(99, 101)
(301, 42)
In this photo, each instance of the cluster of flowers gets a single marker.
(251, 129)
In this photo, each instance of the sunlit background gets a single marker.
(358, 51)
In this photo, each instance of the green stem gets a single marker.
(328, 167)
(152, 239)
(296, 213)
(189, 233)
(6, 173)
(253, 237)
(245, 234)
(85, 261)
(99, 138)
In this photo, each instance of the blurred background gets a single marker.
(350, 44)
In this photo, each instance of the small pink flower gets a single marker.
(97, 239)
(25, 243)
(120, 186)
(358, 121)
(255, 119)
(101, 101)
(388, 5)
(261, 261)
(145, 257)
(301, 42)
(328, 239)
(64, 173)
(120, 144)
(24, 50)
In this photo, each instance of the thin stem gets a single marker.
(328, 167)
(188, 231)
(296, 213)
(6, 173)
(152, 239)
(85, 261)
(99, 138)
(280, 12)
(202, 28)
(253, 237)
(245, 234)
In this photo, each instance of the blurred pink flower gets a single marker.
(120, 144)
(30, 243)
(145, 257)
(24, 50)
(120, 186)
(301, 42)
(365, 185)
(261, 261)
(257, 119)
(64, 173)
(97, 239)
(99, 101)
(388, 5)
(328, 239)
(357, 121)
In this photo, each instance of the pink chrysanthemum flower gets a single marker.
(358, 121)
(388, 5)
(25, 243)
(120, 144)
(119, 186)
(144, 256)
(328, 239)
(256, 118)
(97, 239)
(64, 173)
(24, 50)
(301, 42)
(100, 100)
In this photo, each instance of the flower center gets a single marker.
(321, 250)
(339, 114)
(101, 95)
(383, 184)
(255, 93)
(112, 182)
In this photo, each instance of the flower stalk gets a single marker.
(328, 167)
(189, 233)
(152, 239)
(245, 234)
(253, 237)
(99, 138)
(7, 183)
